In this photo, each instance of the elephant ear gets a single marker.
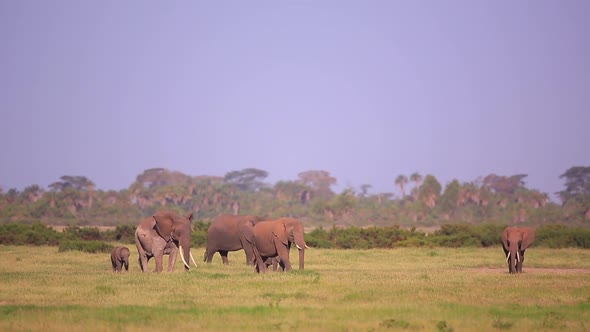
(253, 220)
(528, 236)
(164, 224)
(280, 231)
(247, 230)
(505, 237)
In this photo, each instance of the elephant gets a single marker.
(230, 233)
(273, 239)
(120, 258)
(274, 261)
(165, 233)
(515, 240)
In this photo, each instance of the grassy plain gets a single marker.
(411, 289)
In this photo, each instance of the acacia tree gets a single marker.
(577, 182)
(248, 179)
(504, 184)
(320, 182)
(576, 196)
(365, 189)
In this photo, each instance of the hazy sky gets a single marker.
(366, 90)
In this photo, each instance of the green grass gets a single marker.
(409, 289)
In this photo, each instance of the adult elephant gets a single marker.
(274, 239)
(230, 232)
(165, 233)
(515, 240)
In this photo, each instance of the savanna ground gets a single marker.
(413, 289)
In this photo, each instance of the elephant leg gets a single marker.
(286, 266)
(159, 261)
(284, 257)
(249, 253)
(143, 263)
(223, 254)
(209, 255)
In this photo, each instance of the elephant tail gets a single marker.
(258, 261)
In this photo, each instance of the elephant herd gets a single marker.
(265, 242)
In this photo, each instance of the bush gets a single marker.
(415, 242)
(74, 232)
(560, 236)
(450, 235)
(85, 246)
(318, 238)
(125, 233)
(36, 234)
(490, 235)
(199, 239)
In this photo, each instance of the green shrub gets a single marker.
(35, 234)
(85, 246)
(75, 232)
(318, 238)
(125, 233)
(450, 235)
(490, 235)
(560, 236)
(457, 240)
(414, 242)
(199, 239)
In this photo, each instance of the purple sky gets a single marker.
(366, 90)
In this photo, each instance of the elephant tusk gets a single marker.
(193, 259)
(183, 260)
(508, 257)
(298, 247)
(517, 256)
(307, 247)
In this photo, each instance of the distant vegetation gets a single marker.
(423, 201)
(91, 239)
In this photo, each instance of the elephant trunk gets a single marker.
(301, 258)
(513, 257)
(300, 244)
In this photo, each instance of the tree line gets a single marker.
(423, 201)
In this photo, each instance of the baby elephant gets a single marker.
(120, 257)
